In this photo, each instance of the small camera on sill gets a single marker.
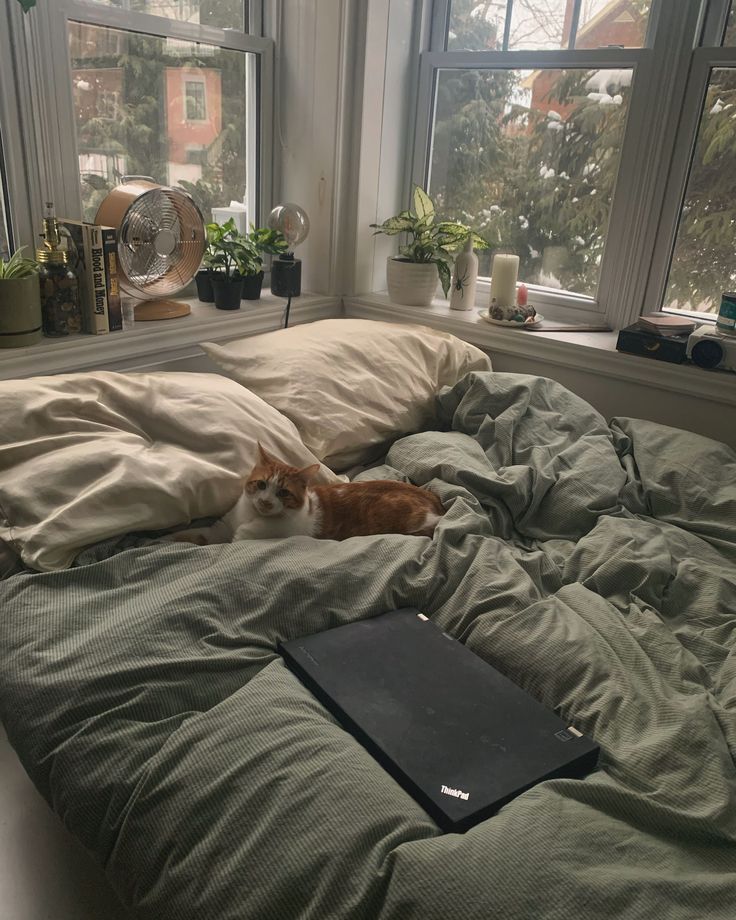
(708, 348)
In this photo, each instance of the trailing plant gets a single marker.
(429, 240)
(17, 266)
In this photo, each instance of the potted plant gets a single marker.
(428, 255)
(20, 302)
(264, 241)
(203, 280)
(225, 259)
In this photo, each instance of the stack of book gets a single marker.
(97, 270)
(666, 324)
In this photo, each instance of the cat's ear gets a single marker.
(264, 455)
(309, 472)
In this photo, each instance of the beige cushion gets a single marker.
(350, 385)
(85, 457)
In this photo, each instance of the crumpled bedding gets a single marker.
(594, 565)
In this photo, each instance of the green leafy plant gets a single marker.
(231, 253)
(17, 267)
(429, 240)
(267, 241)
(228, 252)
(27, 4)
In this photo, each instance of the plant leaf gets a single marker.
(27, 4)
(17, 266)
(453, 229)
(423, 204)
(443, 270)
(395, 225)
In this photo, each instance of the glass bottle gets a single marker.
(60, 305)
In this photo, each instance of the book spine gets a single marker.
(84, 275)
(112, 284)
(96, 263)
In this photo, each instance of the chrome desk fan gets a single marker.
(161, 241)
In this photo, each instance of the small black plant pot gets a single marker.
(204, 286)
(227, 292)
(252, 285)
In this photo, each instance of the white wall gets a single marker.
(343, 123)
(313, 75)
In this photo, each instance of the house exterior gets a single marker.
(618, 23)
(189, 115)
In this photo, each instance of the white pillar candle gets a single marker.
(504, 274)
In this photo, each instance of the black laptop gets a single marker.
(460, 737)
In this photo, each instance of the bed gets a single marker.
(593, 563)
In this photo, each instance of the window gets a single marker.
(594, 138)
(224, 14)
(527, 107)
(704, 258)
(702, 263)
(529, 158)
(176, 91)
(497, 25)
(194, 100)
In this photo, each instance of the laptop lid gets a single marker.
(460, 737)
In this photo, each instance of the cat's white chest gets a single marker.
(247, 524)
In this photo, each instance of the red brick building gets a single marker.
(619, 23)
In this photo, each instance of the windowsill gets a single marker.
(205, 323)
(593, 351)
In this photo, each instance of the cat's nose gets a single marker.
(265, 505)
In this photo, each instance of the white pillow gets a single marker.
(85, 457)
(350, 385)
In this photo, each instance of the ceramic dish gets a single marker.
(510, 322)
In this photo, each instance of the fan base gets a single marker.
(149, 310)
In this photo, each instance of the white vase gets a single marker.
(464, 279)
(412, 283)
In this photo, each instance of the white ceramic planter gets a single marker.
(412, 283)
(20, 311)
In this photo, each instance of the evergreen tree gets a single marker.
(704, 262)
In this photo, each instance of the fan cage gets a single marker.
(161, 242)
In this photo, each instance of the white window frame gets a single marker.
(38, 73)
(705, 58)
(660, 72)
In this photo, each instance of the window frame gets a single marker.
(188, 80)
(43, 60)
(709, 55)
(660, 72)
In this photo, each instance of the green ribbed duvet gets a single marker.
(594, 565)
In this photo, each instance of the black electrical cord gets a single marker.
(286, 315)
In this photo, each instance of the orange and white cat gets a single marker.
(280, 501)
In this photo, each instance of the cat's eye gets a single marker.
(261, 484)
(282, 493)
